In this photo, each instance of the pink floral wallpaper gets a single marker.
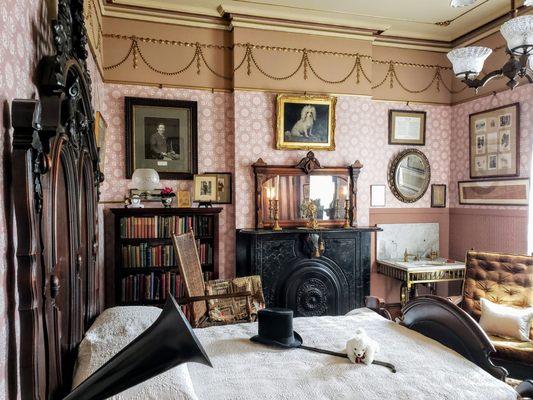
(460, 161)
(361, 134)
(215, 149)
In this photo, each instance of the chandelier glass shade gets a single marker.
(518, 33)
(468, 61)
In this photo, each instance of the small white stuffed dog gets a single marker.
(361, 348)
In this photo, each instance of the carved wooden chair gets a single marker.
(217, 302)
(503, 279)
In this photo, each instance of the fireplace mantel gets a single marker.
(313, 272)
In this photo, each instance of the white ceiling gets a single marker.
(404, 18)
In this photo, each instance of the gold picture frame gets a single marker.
(305, 122)
(183, 199)
(100, 130)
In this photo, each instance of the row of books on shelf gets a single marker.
(152, 287)
(205, 252)
(145, 255)
(164, 226)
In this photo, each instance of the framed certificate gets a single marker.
(407, 127)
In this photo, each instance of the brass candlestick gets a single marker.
(276, 226)
(270, 209)
(347, 214)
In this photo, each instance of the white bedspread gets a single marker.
(426, 370)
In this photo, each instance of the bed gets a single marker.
(246, 370)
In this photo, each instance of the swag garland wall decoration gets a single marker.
(305, 65)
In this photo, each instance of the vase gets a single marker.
(167, 201)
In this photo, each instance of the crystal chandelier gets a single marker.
(518, 33)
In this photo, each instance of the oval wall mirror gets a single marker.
(409, 175)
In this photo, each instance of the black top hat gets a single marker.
(275, 328)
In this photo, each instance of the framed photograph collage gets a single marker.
(495, 142)
(494, 159)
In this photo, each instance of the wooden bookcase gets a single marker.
(145, 267)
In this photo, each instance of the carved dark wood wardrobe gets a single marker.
(55, 189)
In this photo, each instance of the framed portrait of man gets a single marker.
(162, 134)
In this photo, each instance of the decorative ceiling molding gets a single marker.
(149, 14)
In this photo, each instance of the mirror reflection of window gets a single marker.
(323, 194)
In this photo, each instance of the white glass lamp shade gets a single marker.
(145, 179)
(468, 60)
(518, 32)
(461, 3)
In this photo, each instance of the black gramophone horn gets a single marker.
(170, 341)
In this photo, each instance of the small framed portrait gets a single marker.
(205, 188)
(438, 195)
(377, 195)
(407, 127)
(100, 129)
(161, 134)
(183, 199)
(305, 122)
(223, 188)
(495, 142)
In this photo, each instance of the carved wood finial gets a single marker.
(357, 164)
(309, 163)
(259, 163)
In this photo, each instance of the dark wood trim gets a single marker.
(517, 155)
(308, 165)
(130, 102)
(433, 204)
(423, 143)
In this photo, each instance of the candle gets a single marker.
(277, 188)
(344, 191)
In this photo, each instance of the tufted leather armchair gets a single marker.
(503, 279)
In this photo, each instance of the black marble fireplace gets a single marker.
(325, 272)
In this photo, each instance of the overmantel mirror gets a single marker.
(330, 191)
(409, 175)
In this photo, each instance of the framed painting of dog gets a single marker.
(305, 122)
